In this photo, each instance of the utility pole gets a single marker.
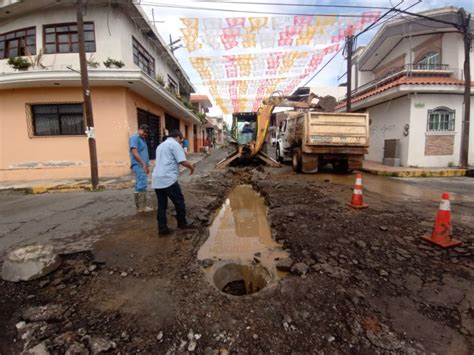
(87, 95)
(349, 43)
(467, 39)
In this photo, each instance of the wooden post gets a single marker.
(87, 95)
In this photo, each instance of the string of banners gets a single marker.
(260, 64)
(239, 82)
(270, 32)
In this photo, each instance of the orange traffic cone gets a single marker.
(357, 201)
(442, 234)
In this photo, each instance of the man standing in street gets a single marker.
(140, 166)
(169, 156)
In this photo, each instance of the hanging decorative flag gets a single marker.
(238, 82)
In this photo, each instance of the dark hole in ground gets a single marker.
(241, 280)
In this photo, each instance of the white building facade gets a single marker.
(410, 80)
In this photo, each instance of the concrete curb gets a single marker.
(40, 189)
(417, 173)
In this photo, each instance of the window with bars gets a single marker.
(58, 120)
(172, 84)
(142, 58)
(429, 61)
(440, 119)
(18, 43)
(63, 38)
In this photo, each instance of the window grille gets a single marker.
(64, 38)
(142, 58)
(429, 61)
(172, 84)
(57, 120)
(440, 120)
(18, 43)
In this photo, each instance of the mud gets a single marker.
(372, 285)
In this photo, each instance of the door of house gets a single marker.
(171, 123)
(153, 138)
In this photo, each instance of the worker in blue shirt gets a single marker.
(169, 156)
(139, 162)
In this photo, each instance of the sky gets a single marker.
(167, 15)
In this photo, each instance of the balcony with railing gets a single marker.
(410, 70)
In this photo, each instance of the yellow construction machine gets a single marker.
(249, 129)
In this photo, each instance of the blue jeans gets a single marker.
(141, 179)
(176, 196)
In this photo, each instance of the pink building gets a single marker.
(42, 123)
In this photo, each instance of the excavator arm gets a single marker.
(264, 113)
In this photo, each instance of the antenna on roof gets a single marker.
(173, 44)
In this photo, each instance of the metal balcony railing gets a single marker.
(408, 70)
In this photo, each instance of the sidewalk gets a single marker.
(376, 168)
(68, 185)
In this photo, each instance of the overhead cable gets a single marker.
(185, 7)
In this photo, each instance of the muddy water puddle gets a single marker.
(240, 244)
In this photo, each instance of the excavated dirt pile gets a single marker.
(359, 282)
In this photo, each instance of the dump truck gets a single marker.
(313, 139)
(251, 146)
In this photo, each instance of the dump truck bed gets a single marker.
(336, 129)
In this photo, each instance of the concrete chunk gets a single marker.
(29, 263)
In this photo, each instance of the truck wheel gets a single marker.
(278, 156)
(341, 167)
(296, 160)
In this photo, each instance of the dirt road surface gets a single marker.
(364, 282)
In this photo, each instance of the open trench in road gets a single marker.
(240, 245)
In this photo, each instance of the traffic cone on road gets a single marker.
(442, 234)
(357, 201)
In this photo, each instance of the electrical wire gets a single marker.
(294, 5)
(324, 66)
(184, 7)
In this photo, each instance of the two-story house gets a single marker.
(410, 80)
(202, 104)
(134, 79)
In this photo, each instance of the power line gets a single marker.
(324, 66)
(185, 7)
(294, 5)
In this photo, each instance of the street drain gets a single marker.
(239, 280)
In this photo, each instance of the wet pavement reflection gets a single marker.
(394, 188)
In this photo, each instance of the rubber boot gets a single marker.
(137, 204)
(142, 207)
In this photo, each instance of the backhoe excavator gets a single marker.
(260, 121)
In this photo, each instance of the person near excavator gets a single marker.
(169, 156)
(139, 162)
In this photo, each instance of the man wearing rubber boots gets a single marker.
(169, 156)
(139, 162)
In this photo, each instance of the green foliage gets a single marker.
(160, 79)
(113, 63)
(19, 63)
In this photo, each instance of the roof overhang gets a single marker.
(403, 90)
(394, 31)
(134, 80)
(11, 9)
(202, 99)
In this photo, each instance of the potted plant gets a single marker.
(160, 80)
(113, 63)
(19, 63)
